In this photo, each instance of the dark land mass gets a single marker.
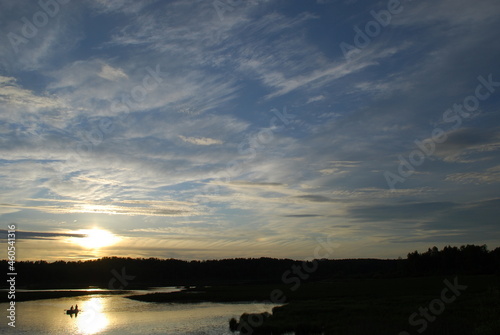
(26, 296)
(449, 291)
(143, 273)
(361, 305)
(132, 273)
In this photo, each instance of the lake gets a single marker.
(115, 314)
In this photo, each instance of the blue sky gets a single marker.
(214, 129)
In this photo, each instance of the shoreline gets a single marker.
(22, 296)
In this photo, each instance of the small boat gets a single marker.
(72, 311)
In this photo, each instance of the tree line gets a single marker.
(129, 273)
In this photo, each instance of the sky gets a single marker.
(228, 128)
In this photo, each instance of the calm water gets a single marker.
(111, 314)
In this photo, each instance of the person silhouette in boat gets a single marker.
(76, 307)
(71, 309)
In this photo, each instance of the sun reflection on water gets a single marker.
(92, 319)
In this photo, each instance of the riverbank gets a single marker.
(37, 295)
(437, 304)
(225, 293)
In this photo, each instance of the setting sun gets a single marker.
(95, 238)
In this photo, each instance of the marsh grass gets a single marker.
(350, 309)
(352, 306)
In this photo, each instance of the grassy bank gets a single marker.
(231, 293)
(363, 306)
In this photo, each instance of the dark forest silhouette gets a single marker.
(469, 259)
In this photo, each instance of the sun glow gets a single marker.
(93, 318)
(95, 238)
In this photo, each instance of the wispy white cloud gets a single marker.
(110, 73)
(316, 98)
(132, 208)
(200, 140)
(490, 176)
(125, 6)
(11, 93)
